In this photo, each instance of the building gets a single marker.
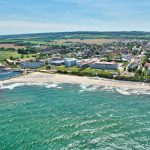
(148, 73)
(69, 62)
(126, 57)
(134, 64)
(32, 65)
(104, 65)
(57, 62)
(19, 61)
(147, 65)
(10, 62)
(2, 66)
(86, 62)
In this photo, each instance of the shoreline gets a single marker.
(38, 77)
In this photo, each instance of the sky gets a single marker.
(37, 16)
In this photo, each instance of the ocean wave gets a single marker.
(87, 87)
(14, 85)
(83, 88)
(5, 73)
(126, 91)
(123, 91)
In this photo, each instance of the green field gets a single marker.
(7, 54)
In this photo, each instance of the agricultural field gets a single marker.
(10, 46)
(14, 54)
(85, 41)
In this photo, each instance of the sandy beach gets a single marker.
(38, 77)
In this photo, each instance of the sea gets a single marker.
(69, 116)
(4, 74)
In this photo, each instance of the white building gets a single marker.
(104, 65)
(69, 62)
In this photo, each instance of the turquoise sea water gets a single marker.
(7, 74)
(66, 116)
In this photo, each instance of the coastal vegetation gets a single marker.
(84, 71)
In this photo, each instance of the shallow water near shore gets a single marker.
(4, 74)
(67, 116)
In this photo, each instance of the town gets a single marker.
(123, 59)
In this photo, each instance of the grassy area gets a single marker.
(41, 68)
(7, 54)
(84, 72)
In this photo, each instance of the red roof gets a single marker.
(147, 65)
(107, 63)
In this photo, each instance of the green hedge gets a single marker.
(85, 72)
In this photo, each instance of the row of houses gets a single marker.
(32, 65)
(18, 61)
(92, 63)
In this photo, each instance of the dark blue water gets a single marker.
(8, 74)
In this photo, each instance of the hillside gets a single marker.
(79, 35)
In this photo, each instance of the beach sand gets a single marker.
(38, 77)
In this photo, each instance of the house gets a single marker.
(104, 65)
(69, 62)
(19, 61)
(147, 65)
(10, 62)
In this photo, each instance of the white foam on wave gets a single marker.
(123, 91)
(14, 85)
(5, 73)
(86, 87)
(83, 88)
(51, 85)
(107, 88)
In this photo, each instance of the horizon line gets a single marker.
(82, 31)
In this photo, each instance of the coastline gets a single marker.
(38, 77)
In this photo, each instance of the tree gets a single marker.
(11, 58)
(22, 56)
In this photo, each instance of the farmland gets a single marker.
(5, 46)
